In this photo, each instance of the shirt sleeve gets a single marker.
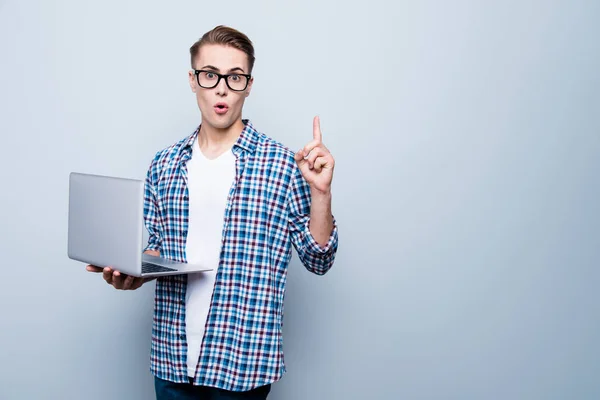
(151, 212)
(317, 259)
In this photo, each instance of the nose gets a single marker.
(222, 88)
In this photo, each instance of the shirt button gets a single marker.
(181, 337)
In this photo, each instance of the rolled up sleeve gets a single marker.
(151, 212)
(315, 258)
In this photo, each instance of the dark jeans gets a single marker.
(166, 390)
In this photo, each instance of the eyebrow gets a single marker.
(217, 69)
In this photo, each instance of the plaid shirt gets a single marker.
(268, 211)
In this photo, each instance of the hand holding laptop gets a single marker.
(122, 281)
(106, 223)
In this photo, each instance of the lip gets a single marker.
(221, 108)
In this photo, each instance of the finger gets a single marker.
(128, 282)
(107, 274)
(320, 163)
(317, 152)
(117, 280)
(137, 283)
(310, 147)
(301, 161)
(317, 129)
(155, 253)
(93, 268)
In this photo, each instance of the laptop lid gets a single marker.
(106, 221)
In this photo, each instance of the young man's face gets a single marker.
(220, 106)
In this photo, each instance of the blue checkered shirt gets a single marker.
(268, 211)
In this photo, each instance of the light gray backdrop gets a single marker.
(467, 140)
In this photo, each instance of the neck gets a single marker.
(214, 141)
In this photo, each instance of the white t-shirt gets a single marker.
(209, 182)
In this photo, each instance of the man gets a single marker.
(229, 197)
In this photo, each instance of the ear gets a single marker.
(249, 88)
(192, 79)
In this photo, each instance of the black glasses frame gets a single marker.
(221, 76)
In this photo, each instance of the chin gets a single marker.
(219, 122)
(222, 124)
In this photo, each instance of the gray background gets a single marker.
(467, 141)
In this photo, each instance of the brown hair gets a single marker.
(227, 36)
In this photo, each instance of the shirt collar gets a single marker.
(248, 138)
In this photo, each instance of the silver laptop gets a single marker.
(106, 227)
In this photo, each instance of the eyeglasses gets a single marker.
(210, 79)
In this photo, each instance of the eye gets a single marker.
(210, 75)
(234, 78)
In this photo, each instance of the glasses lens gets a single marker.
(207, 79)
(237, 82)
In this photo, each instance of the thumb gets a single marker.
(302, 163)
(93, 268)
(299, 156)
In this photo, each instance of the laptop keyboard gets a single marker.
(148, 268)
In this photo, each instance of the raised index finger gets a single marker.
(317, 129)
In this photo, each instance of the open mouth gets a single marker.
(221, 108)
